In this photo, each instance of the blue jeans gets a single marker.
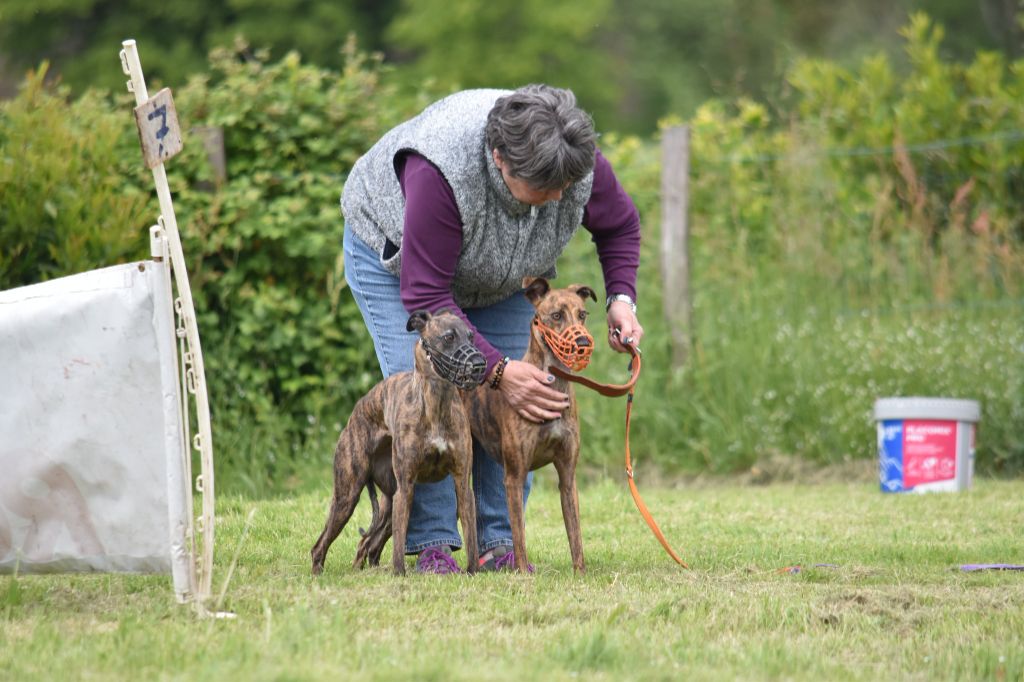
(506, 325)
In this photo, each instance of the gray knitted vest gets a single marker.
(503, 239)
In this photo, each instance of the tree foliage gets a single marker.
(285, 346)
(476, 43)
(82, 37)
(630, 61)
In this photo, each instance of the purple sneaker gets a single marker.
(437, 560)
(500, 558)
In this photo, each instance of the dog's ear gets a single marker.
(583, 291)
(417, 321)
(537, 290)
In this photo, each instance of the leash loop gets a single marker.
(615, 390)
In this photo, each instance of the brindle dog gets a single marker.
(522, 446)
(410, 427)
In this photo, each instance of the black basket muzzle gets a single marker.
(464, 366)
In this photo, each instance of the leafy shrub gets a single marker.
(286, 350)
(63, 204)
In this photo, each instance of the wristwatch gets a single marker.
(620, 297)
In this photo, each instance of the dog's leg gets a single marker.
(372, 544)
(360, 559)
(351, 474)
(346, 495)
(376, 548)
(566, 468)
(401, 508)
(515, 482)
(467, 511)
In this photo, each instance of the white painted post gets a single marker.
(194, 376)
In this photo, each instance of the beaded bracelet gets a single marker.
(499, 369)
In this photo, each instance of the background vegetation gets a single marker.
(856, 227)
(836, 259)
(856, 198)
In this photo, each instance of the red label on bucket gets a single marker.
(929, 451)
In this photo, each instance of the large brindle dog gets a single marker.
(409, 428)
(558, 338)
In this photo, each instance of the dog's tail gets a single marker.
(373, 504)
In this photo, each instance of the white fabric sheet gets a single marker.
(91, 459)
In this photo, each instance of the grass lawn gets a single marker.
(892, 603)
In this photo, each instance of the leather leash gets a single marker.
(613, 391)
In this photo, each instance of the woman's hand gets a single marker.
(528, 390)
(623, 327)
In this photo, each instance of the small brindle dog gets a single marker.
(409, 428)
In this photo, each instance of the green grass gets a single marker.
(893, 607)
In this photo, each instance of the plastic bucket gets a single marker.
(926, 444)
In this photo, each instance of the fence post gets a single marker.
(213, 143)
(675, 237)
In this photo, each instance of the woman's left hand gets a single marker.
(622, 318)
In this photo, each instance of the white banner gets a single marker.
(92, 470)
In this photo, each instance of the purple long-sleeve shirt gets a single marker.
(432, 238)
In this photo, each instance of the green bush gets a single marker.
(286, 350)
(64, 205)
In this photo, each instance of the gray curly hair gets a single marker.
(542, 136)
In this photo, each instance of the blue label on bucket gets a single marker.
(890, 455)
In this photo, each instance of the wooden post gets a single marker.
(213, 143)
(675, 253)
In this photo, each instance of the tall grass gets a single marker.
(813, 296)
